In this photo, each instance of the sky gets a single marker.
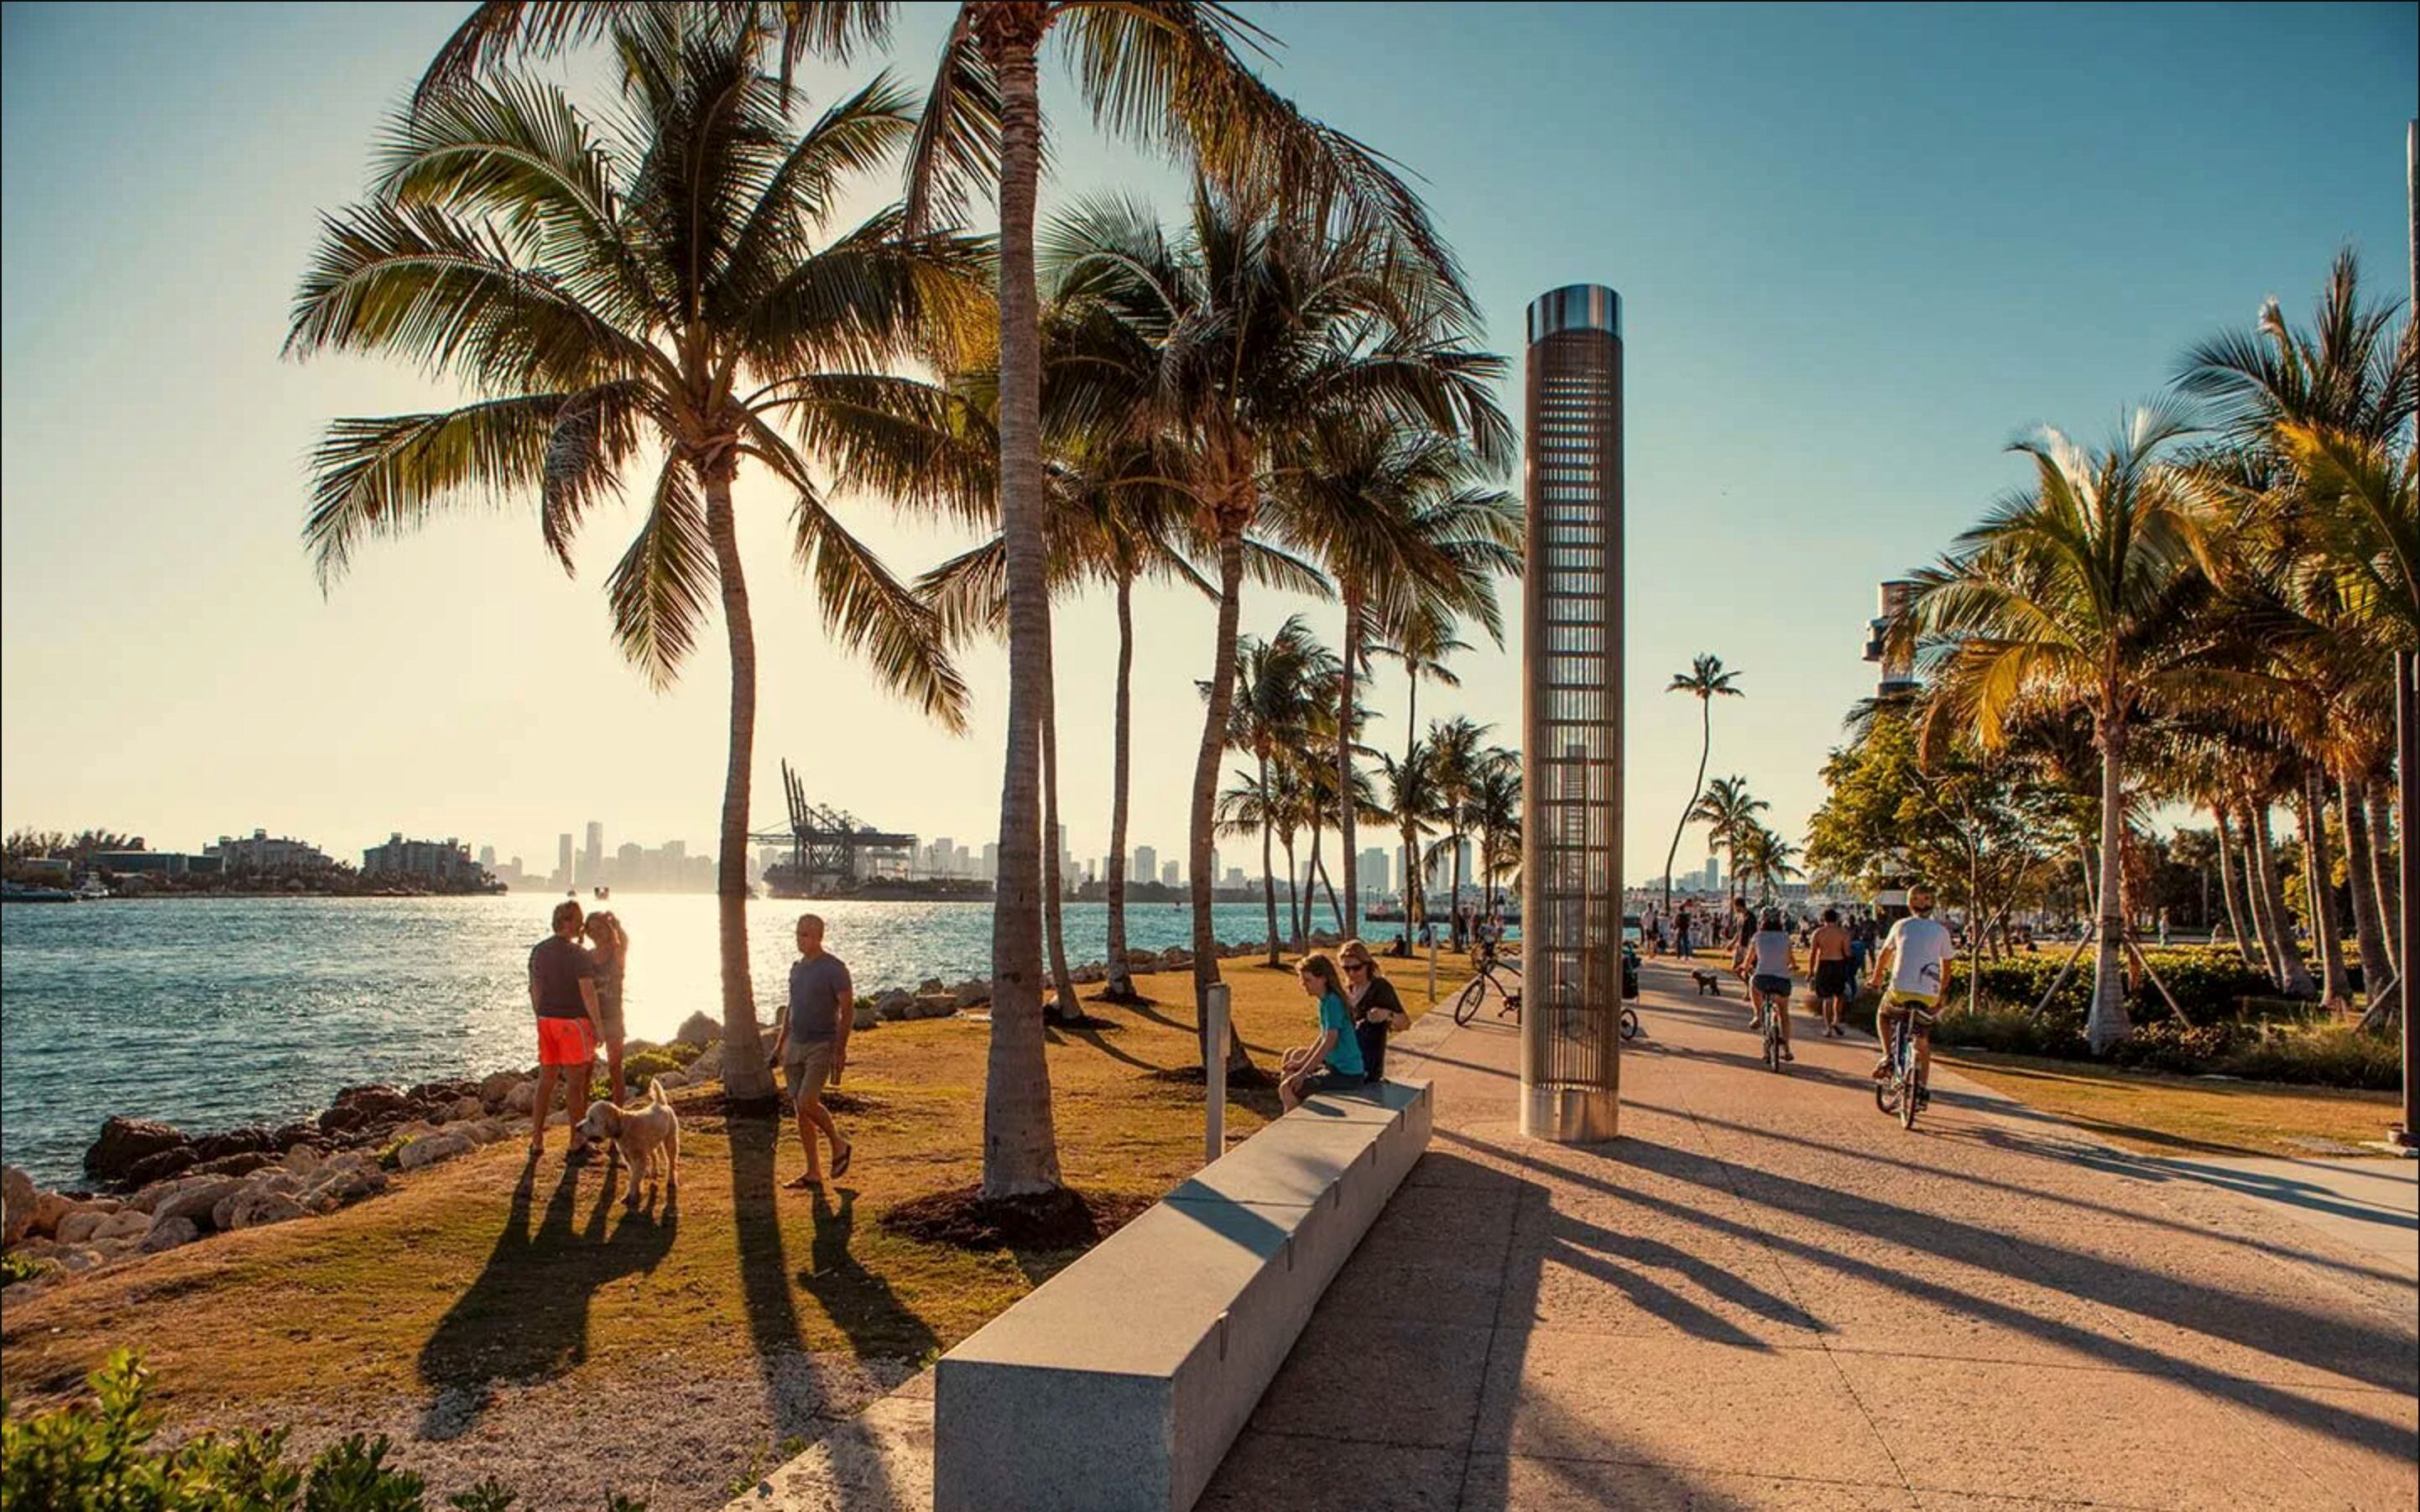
(1858, 248)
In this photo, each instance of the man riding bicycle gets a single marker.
(1913, 975)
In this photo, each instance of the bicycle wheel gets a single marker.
(1886, 1094)
(1465, 1004)
(1630, 1023)
(1907, 1100)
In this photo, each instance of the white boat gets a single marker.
(93, 891)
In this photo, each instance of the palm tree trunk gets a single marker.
(1268, 862)
(2107, 1026)
(1454, 899)
(2293, 975)
(1054, 893)
(2369, 933)
(1020, 1146)
(1705, 748)
(1347, 829)
(2382, 862)
(1205, 788)
(2325, 930)
(1328, 884)
(1411, 888)
(1294, 899)
(1412, 900)
(1121, 984)
(2256, 903)
(747, 1084)
(2230, 884)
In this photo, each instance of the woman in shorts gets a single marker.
(1768, 958)
(1333, 1062)
(608, 949)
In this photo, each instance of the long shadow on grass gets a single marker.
(861, 1302)
(525, 1318)
(790, 1392)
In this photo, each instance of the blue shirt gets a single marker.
(1345, 1054)
(819, 993)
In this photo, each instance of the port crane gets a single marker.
(829, 847)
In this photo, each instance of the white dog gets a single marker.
(644, 1136)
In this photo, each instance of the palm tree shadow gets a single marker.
(524, 1318)
(790, 1393)
(861, 1302)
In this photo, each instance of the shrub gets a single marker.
(637, 1069)
(2208, 984)
(15, 1268)
(2319, 1055)
(96, 1457)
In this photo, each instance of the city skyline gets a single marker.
(1917, 314)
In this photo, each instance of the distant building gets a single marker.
(1235, 877)
(147, 863)
(1146, 863)
(1168, 873)
(1713, 874)
(487, 856)
(592, 856)
(563, 874)
(991, 860)
(443, 861)
(1373, 871)
(263, 852)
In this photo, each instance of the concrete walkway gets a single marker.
(1767, 1294)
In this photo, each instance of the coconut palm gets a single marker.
(1421, 646)
(1496, 813)
(1458, 751)
(2080, 589)
(1266, 330)
(1763, 855)
(1728, 811)
(1706, 680)
(663, 289)
(1406, 524)
(1412, 804)
(1172, 74)
(1270, 716)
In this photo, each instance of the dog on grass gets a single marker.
(1709, 983)
(644, 1136)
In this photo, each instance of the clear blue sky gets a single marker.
(1859, 248)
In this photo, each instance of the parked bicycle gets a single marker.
(1505, 980)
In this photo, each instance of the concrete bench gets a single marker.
(1122, 1381)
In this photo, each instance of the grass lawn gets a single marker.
(469, 1276)
(2159, 1113)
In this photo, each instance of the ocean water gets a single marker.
(209, 1013)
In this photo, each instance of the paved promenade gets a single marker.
(1767, 1294)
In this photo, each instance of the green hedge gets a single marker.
(2208, 984)
(96, 1457)
(2323, 1055)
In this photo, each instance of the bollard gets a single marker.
(1214, 1071)
(1432, 971)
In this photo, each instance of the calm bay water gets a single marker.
(209, 1013)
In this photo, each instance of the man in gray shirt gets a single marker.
(812, 1045)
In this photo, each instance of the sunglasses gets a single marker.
(1357, 965)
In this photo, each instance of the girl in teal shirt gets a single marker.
(1333, 1062)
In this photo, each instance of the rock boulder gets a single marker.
(698, 1029)
(430, 1149)
(161, 1166)
(170, 1233)
(125, 1141)
(18, 1195)
(494, 1089)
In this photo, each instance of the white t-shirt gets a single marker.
(1772, 946)
(1925, 951)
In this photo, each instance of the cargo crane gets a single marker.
(831, 850)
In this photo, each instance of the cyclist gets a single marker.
(1743, 940)
(1913, 973)
(1771, 956)
(1828, 959)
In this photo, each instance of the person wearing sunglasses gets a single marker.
(1376, 1010)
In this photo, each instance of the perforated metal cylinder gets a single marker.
(1570, 721)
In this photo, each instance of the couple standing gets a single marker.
(576, 991)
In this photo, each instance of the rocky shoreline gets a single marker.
(155, 1188)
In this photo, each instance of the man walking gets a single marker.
(570, 1024)
(1827, 949)
(812, 1046)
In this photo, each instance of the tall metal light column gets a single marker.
(1570, 721)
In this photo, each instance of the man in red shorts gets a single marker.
(570, 1024)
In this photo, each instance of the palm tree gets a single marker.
(1457, 751)
(1496, 813)
(1728, 811)
(1173, 75)
(2078, 591)
(1706, 680)
(1766, 856)
(1265, 331)
(664, 285)
(1411, 533)
(1420, 645)
(1413, 803)
(1269, 716)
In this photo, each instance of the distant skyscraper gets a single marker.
(1146, 863)
(1713, 874)
(1168, 874)
(991, 860)
(487, 856)
(592, 856)
(1373, 871)
(1235, 877)
(563, 861)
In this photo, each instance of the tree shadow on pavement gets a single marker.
(525, 1317)
(861, 1303)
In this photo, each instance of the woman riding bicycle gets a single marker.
(1771, 955)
